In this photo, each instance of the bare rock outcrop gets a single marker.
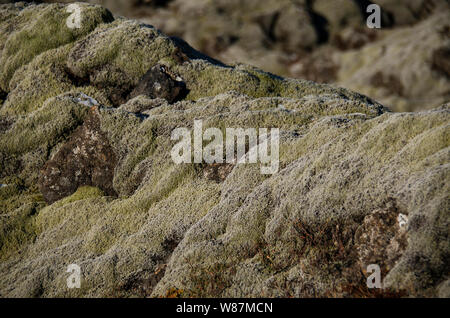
(85, 159)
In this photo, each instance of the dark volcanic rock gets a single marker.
(86, 159)
(158, 82)
(381, 239)
(217, 171)
(2, 95)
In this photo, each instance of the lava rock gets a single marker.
(86, 159)
(381, 239)
(158, 82)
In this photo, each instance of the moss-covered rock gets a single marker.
(43, 27)
(293, 233)
(398, 69)
(320, 40)
(28, 143)
(348, 169)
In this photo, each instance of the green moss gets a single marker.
(15, 199)
(45, 29)
(120, 58)
(340, 160)
(31, 139)
(43, 78)
(10, 186)
(46, 126)
(36, 82)
(204, 79)
(17, 222)
(84, 192)
(210, 280)
(397, 131)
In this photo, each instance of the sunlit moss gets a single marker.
(44, 28)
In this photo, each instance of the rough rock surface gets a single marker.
(356, 183)
(157, 83)
(85, 159)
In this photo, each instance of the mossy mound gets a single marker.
(294, 233)
(403, 69)
(200, 229)
(83, 193)
(41, 28)
(28, 143)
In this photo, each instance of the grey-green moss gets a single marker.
(342, 156)
(40, 28)
(18, 207)
(30, 140)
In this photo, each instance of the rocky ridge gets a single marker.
(404, 65)
(87, 176)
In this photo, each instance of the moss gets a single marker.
(14, 196)
(45, 77)
(43, 127)
(398, 129)
(168, 194)
(120, 60)
(205, 79)
(393, 66)
(30, 140)
(36, 82)
(17, 222)
(84, 192)
(336, 160)
(341, 155)
(45, 29)
(111, 59)
(210, 280)
(10, 186)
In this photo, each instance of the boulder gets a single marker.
(86, 159)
